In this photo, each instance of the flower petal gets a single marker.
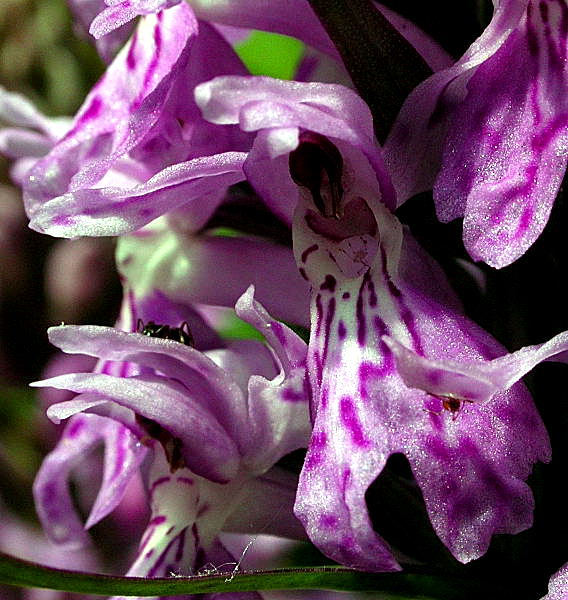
(123, 455)
(507, 147)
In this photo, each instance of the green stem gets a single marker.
(21, 573)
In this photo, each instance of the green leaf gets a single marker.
(21, 573)
(384, 67)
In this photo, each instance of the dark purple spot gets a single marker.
(319, 366)
(346, 295)
(307, 252)
(360, 315)
(435, 376)
(324, 397)
(372, 294)
(369, 373)
(131, 58)
(149, 553)
(328, 322)
(329, 283)
(341, 330)
(328, 521)
(93, 110)
(319, 314)
(159, 482)
(319, 441)
(146, 212)
(437, 449)
(315, 456)
(204, 509)
(525, 222)
(291, 395)
(278, 330)
(120, 459)
(181, 544)
(74, 428)
(63, 220)
(350, 420)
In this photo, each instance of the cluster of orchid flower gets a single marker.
(272, 199)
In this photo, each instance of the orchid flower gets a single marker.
(394, 365)
(138, 147)
(214, 424)
(490, 133)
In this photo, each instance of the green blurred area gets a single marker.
(41, 57)
(271, 54)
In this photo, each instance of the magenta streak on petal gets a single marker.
(341, 330)
(303, 274)
(405, 314)
(351, 421)
(155, 569)
(159, 482)
(149, 553)
(319, 314)
(92, 112)
(158, 520)
(369, 371)
(130, 57)
(360, 314)
(153, 63)
(186, 480)
(328, 322)
(63, 220)
(120, 452)
(291, 395)
(279, 332)
(316, 455)
(308, 251)
(324, 397)
(328, 521)
(196, 538)
(204, 509)
(75, 428)
(329, 283)
(179, 553)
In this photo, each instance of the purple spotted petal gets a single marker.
(506, 151)
(54, 503)
(413, 150)
(120, 12)
(471, 469)
(113, 211)
(120, 110)
(279, 109)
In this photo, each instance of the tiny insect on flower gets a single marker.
(181, 334)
